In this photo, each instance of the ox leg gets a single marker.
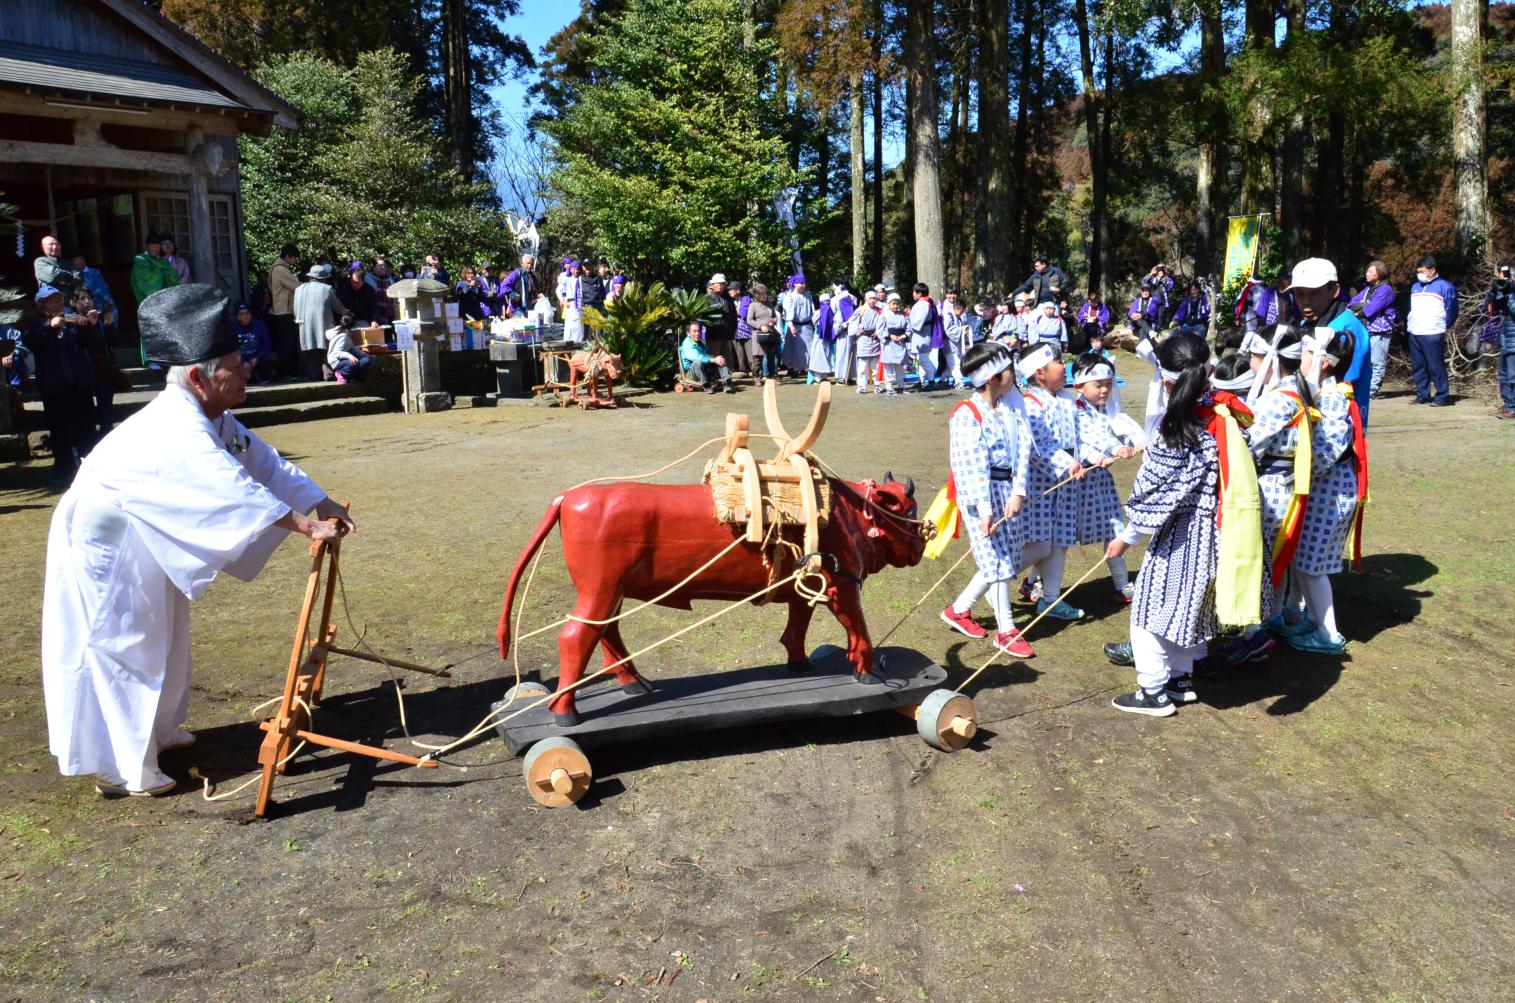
(626, 674)
(576, 643)
(847, 603)
(793, 638)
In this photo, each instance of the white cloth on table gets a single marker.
(159, 508)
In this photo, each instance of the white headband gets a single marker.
(1174, 376)
(1034, 360)
(1237, 383)
(1099, 371)
(1293, 351)
(996, 365)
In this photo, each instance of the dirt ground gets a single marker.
(1316, 828)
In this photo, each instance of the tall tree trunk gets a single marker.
(1091, 133)
(1022, 251)
(823, 154)
(1292, 155)
(952, 183)
(991, 220)
(877, 263)
(859, 175)
(456, 87)
(1256, 158)
(1103, 224)
(926, 185)
(1211, 208)
(1468, 126)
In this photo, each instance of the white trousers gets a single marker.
(1049, 561)
(952, 361)
(1159, 659)
(894, 375)
(999, 599)
(865, 372)
(573, 324)
(925, 362)
(1120, 575)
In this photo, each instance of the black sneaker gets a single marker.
(1257, 648)
(1441, 402)
(1142, 702)
(1421, 400)
(1181, 690)
(1119, 653)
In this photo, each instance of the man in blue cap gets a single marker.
(176, 494)
(65, 382)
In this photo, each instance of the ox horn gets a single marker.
(793, 445)
(909, 486)
(888, 476)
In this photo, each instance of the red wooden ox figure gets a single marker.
(636, 541)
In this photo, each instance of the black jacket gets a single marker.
(725, 328)
(1040, 284)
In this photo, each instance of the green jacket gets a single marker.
(149, 274)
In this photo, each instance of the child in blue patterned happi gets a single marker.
(1099, 516)
(1050, 519)
(990, 452)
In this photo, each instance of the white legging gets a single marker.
(999, 598)
(1319, 602)
(1158, 659)
(1048, 561)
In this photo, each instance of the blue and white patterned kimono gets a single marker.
(1054, 447)
(1099, 510)
(1173, 502)
(1273, 441)
(1001, 443)
(1333, 486)
(799, 339)
(897, 326)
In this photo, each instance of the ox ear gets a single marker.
(888, 476)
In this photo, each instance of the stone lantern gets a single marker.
(420, 305)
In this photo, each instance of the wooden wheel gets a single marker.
(946, 720)
(526, 692)
(557, 772)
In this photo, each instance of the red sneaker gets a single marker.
(963, 623)
(1011, 643)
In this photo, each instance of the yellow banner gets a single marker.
(1241, 249)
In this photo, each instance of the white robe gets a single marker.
(161, 506)
(1157, 394)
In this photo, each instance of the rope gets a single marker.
(205, 791)
(488, 721)
(1035, 620)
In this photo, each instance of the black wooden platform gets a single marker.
(732, 699)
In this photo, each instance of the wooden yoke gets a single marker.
(306, 677)
(790, 445)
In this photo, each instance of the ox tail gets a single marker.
(543, 528)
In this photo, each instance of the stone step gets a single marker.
(261, 396)
(37, 442)
(147, 379)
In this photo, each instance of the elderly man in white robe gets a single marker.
(178, 493)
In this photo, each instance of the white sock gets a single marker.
(999, 595)
(977, 586)
(1052, 573)
(1119, 573)
(1320, 602)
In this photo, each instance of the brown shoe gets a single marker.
(1501, 412)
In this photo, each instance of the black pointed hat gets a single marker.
(182, 325)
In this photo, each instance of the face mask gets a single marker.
(1423, 276)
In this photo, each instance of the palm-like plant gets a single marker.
(634, 326)
(691, 306)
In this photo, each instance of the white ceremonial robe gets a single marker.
(161, 506)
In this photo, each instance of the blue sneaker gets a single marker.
(1316, 643)
(1062, 611)
(1284, 628)
(1119, 653)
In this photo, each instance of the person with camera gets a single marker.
(1500, 304)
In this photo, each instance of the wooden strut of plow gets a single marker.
(308, 659)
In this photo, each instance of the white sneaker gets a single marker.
(154, 784)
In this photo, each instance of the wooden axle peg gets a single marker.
(557, 772)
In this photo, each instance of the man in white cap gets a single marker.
(316, 311)
(720, 333)
(178, 493)
(1318, 294)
